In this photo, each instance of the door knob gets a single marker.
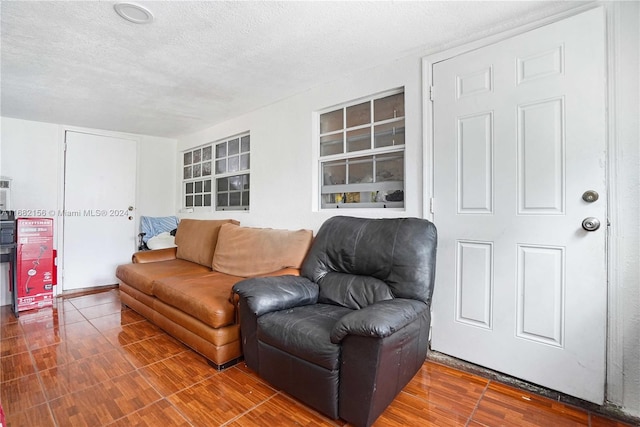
(591, 223)
(590, 196)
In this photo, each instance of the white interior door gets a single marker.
(100, 177)
(519, 136)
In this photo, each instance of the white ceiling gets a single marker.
(200, 63)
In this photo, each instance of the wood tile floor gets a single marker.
(89, 361)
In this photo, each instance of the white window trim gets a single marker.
(214, 177)
(317, 179)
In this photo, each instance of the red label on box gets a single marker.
(35, 263)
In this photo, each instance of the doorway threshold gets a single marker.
(607, 409)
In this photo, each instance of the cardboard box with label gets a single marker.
(35, 264)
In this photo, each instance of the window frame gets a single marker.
(369, 189)
(216, 174)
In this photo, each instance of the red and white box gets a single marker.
(35, 264)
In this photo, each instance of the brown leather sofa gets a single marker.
(187, 290)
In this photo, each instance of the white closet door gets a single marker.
(99, 229)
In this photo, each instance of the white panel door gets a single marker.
(519, 136)
(100, 179)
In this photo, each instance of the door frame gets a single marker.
(614, 380)
(59, 219)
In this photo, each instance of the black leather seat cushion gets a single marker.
(304, 332)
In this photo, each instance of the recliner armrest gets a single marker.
(156, 255)
(378, 320)
(267, 294)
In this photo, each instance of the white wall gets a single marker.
(624, 288)
(155, 190)
(31, 153)
(282, 156)
(282, 175)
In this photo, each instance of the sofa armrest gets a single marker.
(378, 320)
(267, 294)
(165, 254)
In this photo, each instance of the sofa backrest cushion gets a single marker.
(196, 239)
(401, 252)
(248, 251)
(351, 290)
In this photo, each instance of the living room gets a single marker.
(285, 169)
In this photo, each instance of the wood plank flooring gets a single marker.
(89, 361)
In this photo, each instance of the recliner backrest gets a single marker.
(399, 253)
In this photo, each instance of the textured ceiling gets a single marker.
(199, 63)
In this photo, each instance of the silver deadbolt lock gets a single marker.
(590, 196)
(591, 223)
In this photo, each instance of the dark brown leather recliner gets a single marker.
(351, 332)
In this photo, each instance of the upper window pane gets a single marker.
(331, 144)
(245, 144)
(359, 114)
(197, 156)
(206, 153)
(234, 164)
(221, 166)
(389, 134)
(389, 107)
(221, 150)
(206, 168)
(245, 162)
(359, 139)
(332, 121)
(234, 147)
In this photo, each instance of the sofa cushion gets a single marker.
(352, 290)
(247, 251)
(196, 239)
(142, 276)
(304, 332)
(204, 296)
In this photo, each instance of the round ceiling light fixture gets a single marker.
(133, 12)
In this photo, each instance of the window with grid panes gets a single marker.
(362, 153)
(218, 174)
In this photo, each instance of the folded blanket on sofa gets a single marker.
(155, 225)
